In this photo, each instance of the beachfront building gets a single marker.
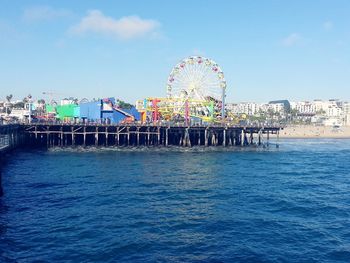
(334, 112)
(286, 105)
(252, 108)
(347, 120)
(319, 111)
(301, 107)
(346, 113)
(304, 107)
(313, 107)
(277, 108)
(248, 108)
(251, 112)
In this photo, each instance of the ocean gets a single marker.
(286, 204)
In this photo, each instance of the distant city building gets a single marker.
(303, 107)
(329, 112)
(273, 108)
(248, 108)
(334, 112)
(68, 101)
(286, 104)
(330, 108)
(346, 113)
(252, 108)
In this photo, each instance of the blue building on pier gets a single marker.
(106, 111)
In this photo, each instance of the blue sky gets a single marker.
(298, 50)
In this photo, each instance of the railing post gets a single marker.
(224, 138)
(167, 137)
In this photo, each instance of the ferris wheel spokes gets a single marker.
(201, 82)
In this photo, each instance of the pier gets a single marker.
(62, 135)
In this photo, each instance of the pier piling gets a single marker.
(142, 135)
(1, 189)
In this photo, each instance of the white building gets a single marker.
(346, 107)
(274, 107)
(248, 108)
(329, 112)
(252, 108)
(19, 114)
(334, 111)
(67, 101)
(347, 120)
(303, 107)
(330, 108)
(346, 113)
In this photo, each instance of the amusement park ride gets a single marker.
(195, 93)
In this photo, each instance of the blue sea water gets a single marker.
(290, 204)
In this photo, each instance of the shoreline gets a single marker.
(312, 138)
(315, 132)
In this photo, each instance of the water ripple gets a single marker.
(290, 204)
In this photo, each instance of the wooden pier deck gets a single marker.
(62, 135)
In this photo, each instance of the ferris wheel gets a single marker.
(197, 78)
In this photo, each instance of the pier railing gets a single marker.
(158, 124)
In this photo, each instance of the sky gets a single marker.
(268, 50)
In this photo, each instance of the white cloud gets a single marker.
(39, 13)
(127, 27)
(292, 40)
(328, 25)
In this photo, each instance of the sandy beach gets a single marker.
(310, 131)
